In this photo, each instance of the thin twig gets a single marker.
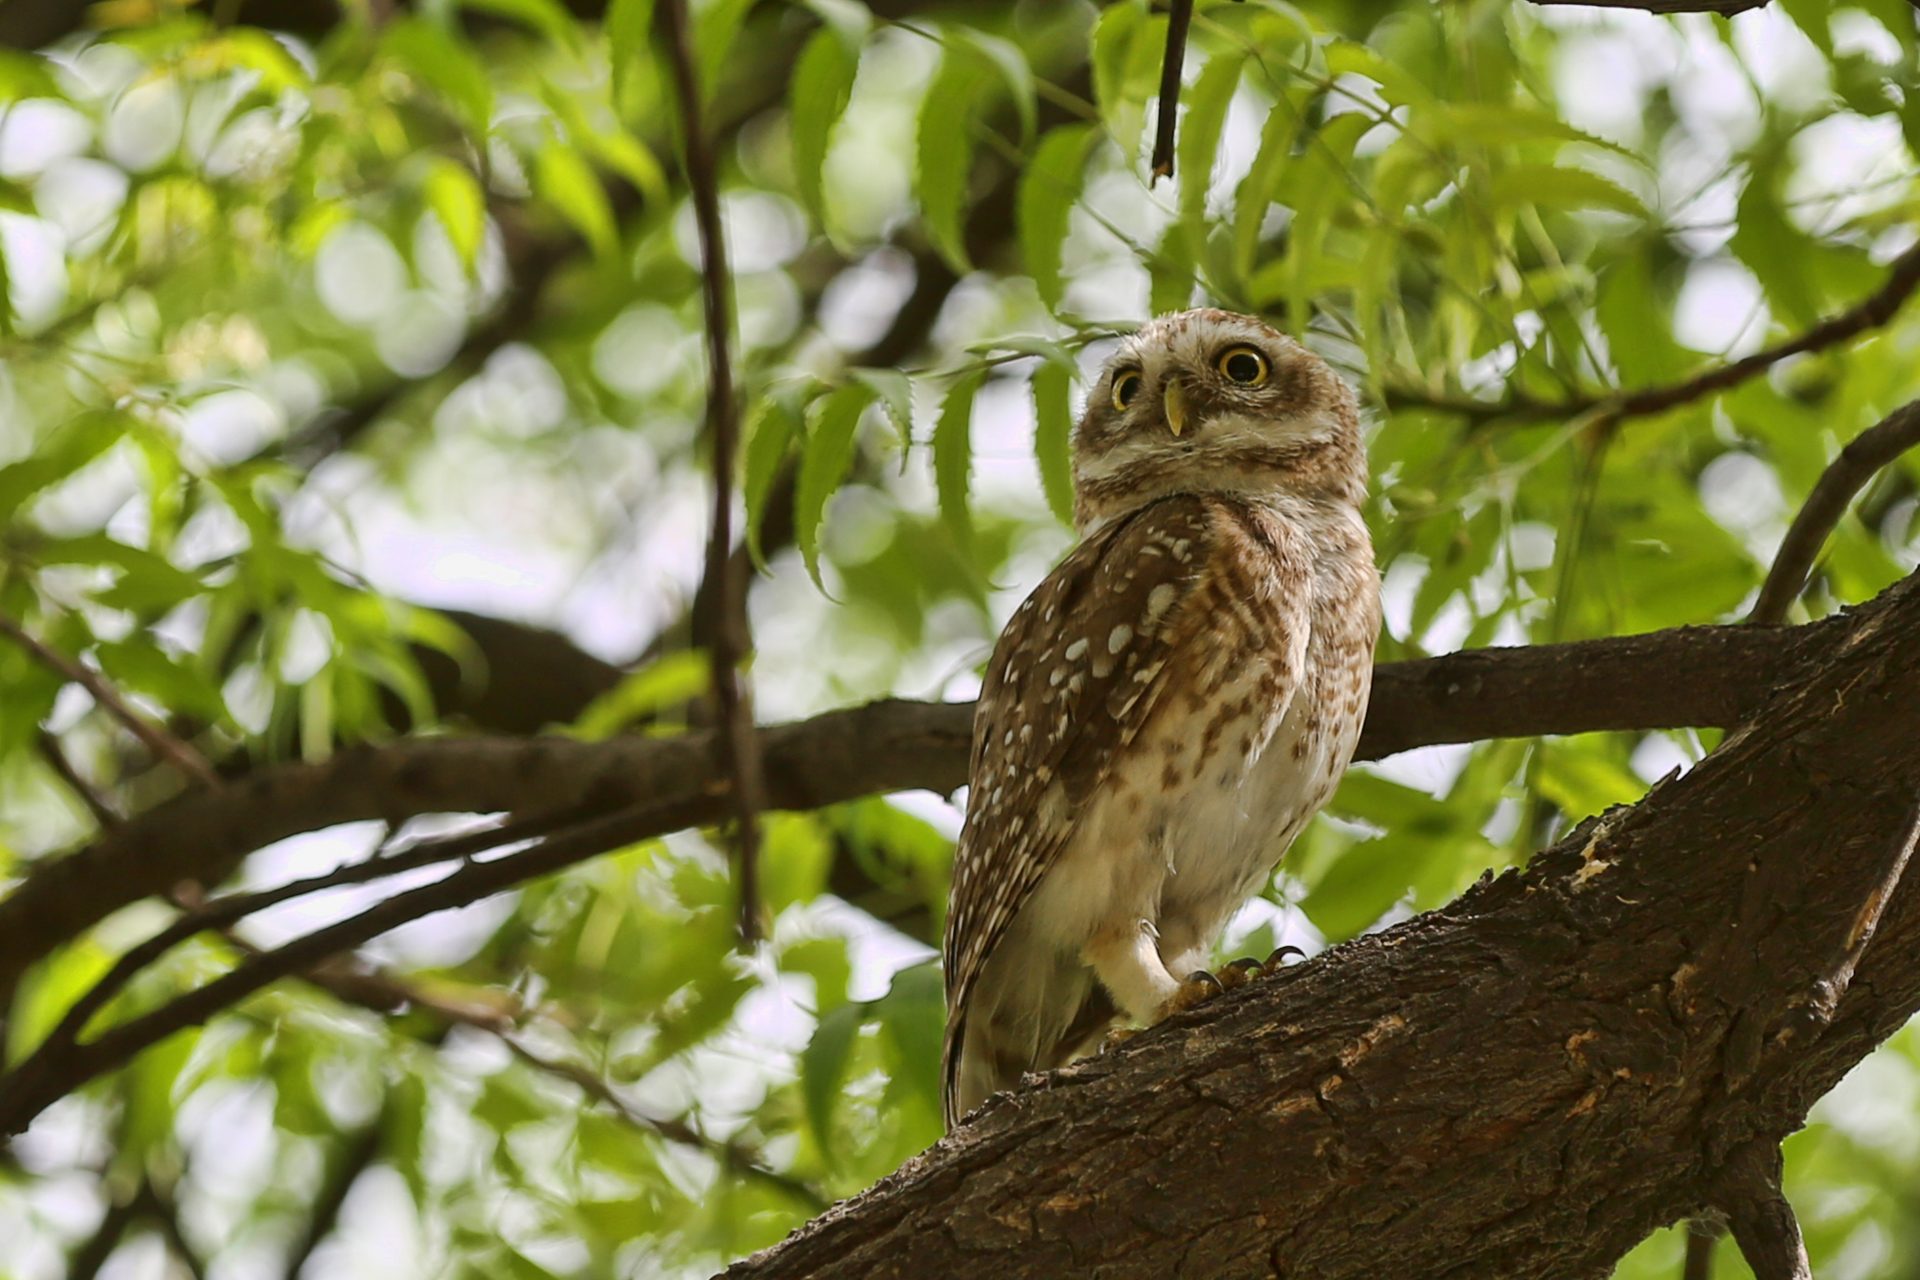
(1179, 19)
(224, 911)
(1851, 470)
(157, 740)
(61, 1064)
(97, 804)
(733, 699)
(1903, 277)
(1702, 1235)
(1831, 987)
(736, 1159)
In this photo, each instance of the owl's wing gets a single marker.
(1074, 676)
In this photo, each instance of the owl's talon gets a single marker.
(1198, 988)
(1239, 972)
(1278, 959)
(1115, 1038)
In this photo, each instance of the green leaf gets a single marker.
(1013, 67)
(1559, 187)
(65, 453)
(1254, 196)
(665, 682)
(1027, 344)
(442, 60)
(548, 17)
(823, 1065)
(896, 397)
(1053, 425)
(944, 153)
(455, 197)
(629, 40)
(769, 434)
(953, 456)
(1128, 43)
(26, 75)
(1199, 139)
(1049, 189)
(822, 85)
(829, 452)
(568, 183)
(913, 1015)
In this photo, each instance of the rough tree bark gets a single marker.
(1524, 1083)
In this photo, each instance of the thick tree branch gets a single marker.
(1856, 465)
(1449, 1098)
(1690, 677)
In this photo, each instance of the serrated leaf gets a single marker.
(568, 183)
(1043, 208)
(822, 85)
(768, 436)
(455, 197)
(1254, 196)
(895, 390)
(1027, 344)
(943, 150)
(953, 456)
(1007, 58)
(829, 452)
(1559, 187)
(823, 1065)
(1128, 43)
(1199, 138)
(1053, 425)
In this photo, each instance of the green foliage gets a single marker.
(306, 336)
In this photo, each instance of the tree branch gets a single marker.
(1855, 466)
(1689, 677)
(1448, 1098)
(1725, 8)
(156, 739)
(1179, 19)
(732, 642)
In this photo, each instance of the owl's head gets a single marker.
(1213, 402)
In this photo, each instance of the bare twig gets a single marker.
(354, 1158)
(735, 1158)
(1832, 986)
(733, 699)
(94, 1251)
(1903, 277)
(61, 1064)
(224, 911)
(1850, 471)
(1702, 1235)
(156, 739)
(56, 757)
(1179, 19)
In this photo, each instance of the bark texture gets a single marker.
(1522, 1084)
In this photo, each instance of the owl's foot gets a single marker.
(1201, 987)
(1116, 1037)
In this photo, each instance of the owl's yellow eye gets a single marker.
(1126, 386)
(1243, 365)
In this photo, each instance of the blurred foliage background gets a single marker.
(353, 385)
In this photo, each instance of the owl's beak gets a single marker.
(1175, 399)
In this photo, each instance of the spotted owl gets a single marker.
(1171, 705)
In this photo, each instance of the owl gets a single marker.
(1171, 705)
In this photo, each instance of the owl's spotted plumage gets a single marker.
(1171, 705)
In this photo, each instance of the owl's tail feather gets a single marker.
(977, 1066)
